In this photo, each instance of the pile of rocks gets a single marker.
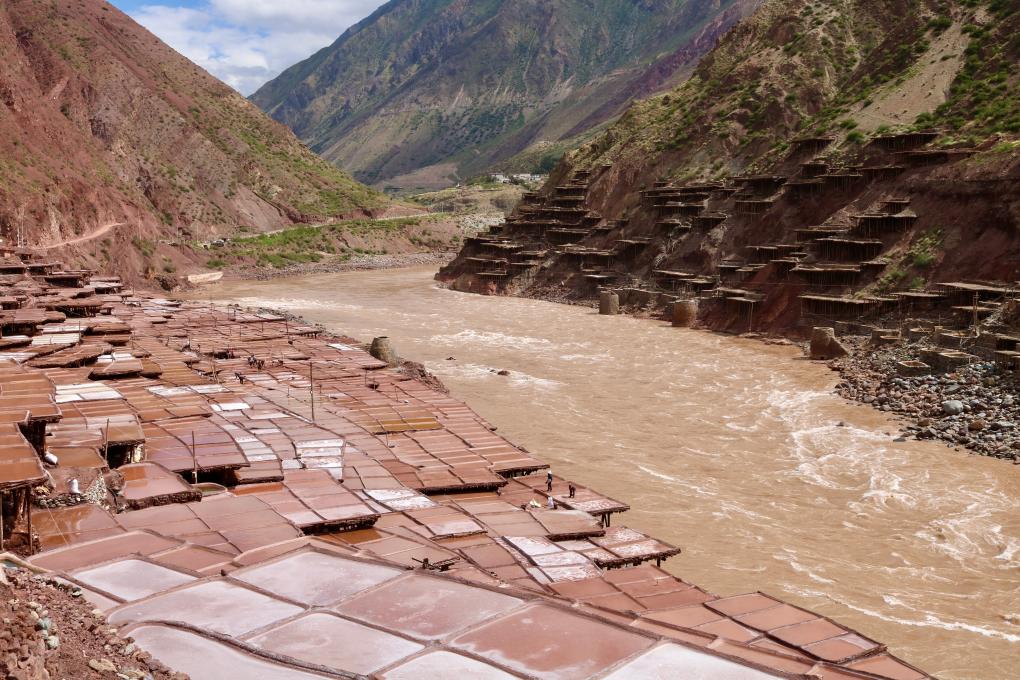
(50, 631)
(977, 406)
(97, 494)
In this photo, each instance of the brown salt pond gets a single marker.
(737, 451)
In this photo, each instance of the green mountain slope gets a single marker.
(446, 88)
(826, 67)
(826, 154)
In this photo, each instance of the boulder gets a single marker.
(383, 351)
(952, 407)
(824, 344)
(102, 665)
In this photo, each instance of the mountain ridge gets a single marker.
(457, 87)
(821, 147)
(103, 123)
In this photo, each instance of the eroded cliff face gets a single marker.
(827, 161)
(423, 93)
(102, 124)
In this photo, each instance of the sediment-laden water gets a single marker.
(737, 451)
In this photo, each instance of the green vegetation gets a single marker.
(924, 251)
(985, 96)
(922, 254)
(940, 24)
(484, 182)
(890, 279)
(547, 162)
(331, 242)
(543, 157)
(143, 246)
(749, 96)
(471, 199)
(321, 189)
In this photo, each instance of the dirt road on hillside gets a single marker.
(96, 233)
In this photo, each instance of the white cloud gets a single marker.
(295, 14)
(247, 42)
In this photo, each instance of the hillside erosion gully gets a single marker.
(907, 251)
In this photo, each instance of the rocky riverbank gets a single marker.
(51, 631)
(360, 263)
(976, 406)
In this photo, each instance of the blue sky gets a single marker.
(247, 42)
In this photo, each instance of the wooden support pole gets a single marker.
(311, 384)
(975, 314)
(194, 459)
(106, 442)
(28, 513)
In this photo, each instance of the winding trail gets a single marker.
(87, 237)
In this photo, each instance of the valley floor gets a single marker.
(721, 439)
(174, 464)
(358, 263)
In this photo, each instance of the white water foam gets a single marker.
(493, 339)
(1009, 552)
(477, 372)
(548, 384)
(846, 453)
(929, 620)
(593, 358)
(653, 473)
(295, 303)
(507, 341)
(790, 557)
(697, 489)
(971, 535)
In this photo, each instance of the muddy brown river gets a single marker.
(737, 451)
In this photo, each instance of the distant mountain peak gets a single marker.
(423, 93)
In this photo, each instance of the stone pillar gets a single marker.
(824, 344)
(609, 303)
(383, 351)
(685, 312)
